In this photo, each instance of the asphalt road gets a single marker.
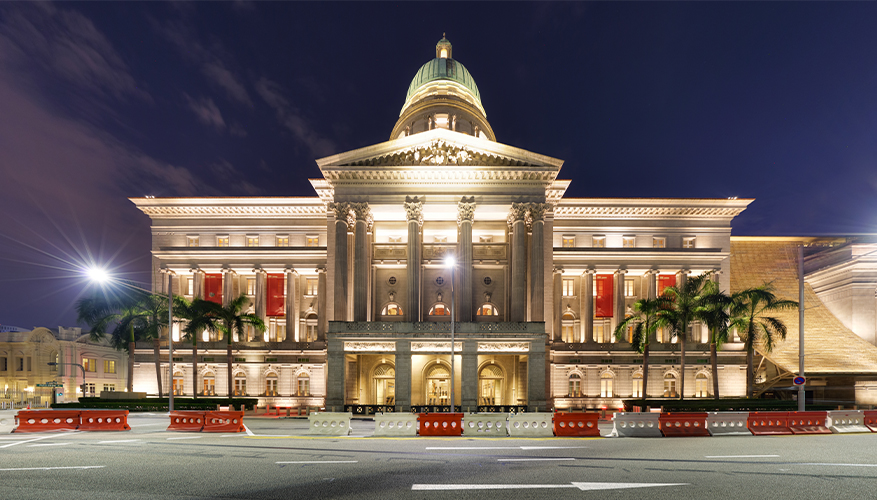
(275, 459)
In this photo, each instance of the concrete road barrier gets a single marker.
(809, 422)
(728, 423)
(531, 425)
(329, 423)
(576, 424)
(7, 421)
(769, 423)
(847, 421)
(395, 424)
(636, 425)
(485, 424)
(683, 424)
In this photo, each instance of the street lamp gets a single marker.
(54, 363)
(451, 263)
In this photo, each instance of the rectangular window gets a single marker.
(701, 387)
(569, 287)
(29, 364)
(569, 241)
(252, 241)
(313, 241)
(193, 241)
(688, 242)
(629, 289)
(240, 387)
(222, 241)
(598, 242)
(311, 288)
(606, 388)
(637, 387)
(568, 332)
(282, 240)
(271, 386)
(311, 333)
(90, 390)
(89, 364)
(598, 332)
(4, 365)
(20, 364)
(628, 241)
(304, 386)
(485, 238)
(110, 387)
(109, 366)
(394, 239)
(575, 387)
(188, 284)
(251, 286)
(209, 387)
(659, 242)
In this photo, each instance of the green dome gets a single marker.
(443, 69)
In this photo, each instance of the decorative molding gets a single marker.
(245, 212)
(651, 212)
(370, 346)
(436, 347)
(466, 210)
(438, 152)
(517, 212)
(537, 211)
(343, 212)
(503, 347)
(414, 210)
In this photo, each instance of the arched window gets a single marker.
(208, 385)
(439, 309)
(490, 382)
(637, 385)
(310, 328)
(670, 385)
(701, 385)
(271, 384)
(304, 385)
(487, 310)
(391, 309)
(437, 384)
(240, 384)
(385, 384)
(575, 385)
(606, 380)
(568, 327)
(178, 384)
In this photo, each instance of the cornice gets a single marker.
(243, 208)
(649, 208)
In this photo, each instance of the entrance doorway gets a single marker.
(385, 384)
(490, 386)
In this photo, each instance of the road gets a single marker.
(275, 459)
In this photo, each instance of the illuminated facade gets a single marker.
(355, 289)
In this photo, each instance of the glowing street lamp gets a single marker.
(451, 263)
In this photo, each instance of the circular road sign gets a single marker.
(799, 381)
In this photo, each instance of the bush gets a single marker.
(736, 404)
(159, 405)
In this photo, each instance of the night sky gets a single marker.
(107, 100)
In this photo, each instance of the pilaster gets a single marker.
(291, 310)
(557, 310)
(261, 292)
(537, 290)
(322, 313)
(414, 215)
(465, 219)
(517, 215)
(360, 266)
(339, 285)
(403, 375)
(618, 308)
(587, 319)
(469, 375)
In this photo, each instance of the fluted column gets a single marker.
(465, 218)
(537, 263)
(360, 261)
(652, 280)
(557, 313)
(618, 309)
(403, 375)
(587, 309)
(198, 286)
(291, 311)
(681, 278)
(227, 286)
(519, 262)
(260, 308)
(322, 313)
(414, 215)
(339, 288)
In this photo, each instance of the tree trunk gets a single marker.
(229, 361)
(682, 366)
(750, 376)
(714, 360)
(194, 367)
(131, 345)
(156, 351)
(645, 374)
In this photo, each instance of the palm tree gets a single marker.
(186, 310)
(644, 323)
(686, 306)
(715, 315)
(749, 315)
(133, 315)
(227, 320)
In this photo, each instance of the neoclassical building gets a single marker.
(357, 290)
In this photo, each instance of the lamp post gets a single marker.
(54, 363)
(451, 263)
(170, 341)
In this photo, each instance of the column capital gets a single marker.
(651, 272)
(621, 271)
(589, 271)
(259, 270)
(414, 210)
(517, 213)
(290, 270)
(165, 270)
(343, 212)
(321, 269)
(557, 270)
(466, 210)
(361, 211)
(537, 211)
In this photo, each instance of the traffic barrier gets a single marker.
(809, 422)
(7, 421)
(728, 423)
(485, 424)
(636, 425)
(846, 421)
(576, 424)
(395, 424)
(329, 423)
(46, 420)
(440, 424)
(103, 420)
(769, 423)
(871, 420)
(224, 421)
(531, 425)
(191, 421)
(683, 424)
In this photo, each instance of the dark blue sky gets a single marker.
(106, 100)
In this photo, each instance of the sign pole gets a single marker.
(802, 394)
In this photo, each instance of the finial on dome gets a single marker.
(443, 48)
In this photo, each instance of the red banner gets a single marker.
(603, 295)
(213, 288)
(665, 280)
(276, 295)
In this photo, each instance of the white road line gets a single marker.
(186, 437)
(249, 432)
(839, 465)
(31, 440)
(553, 447)
(581, 486)
(47, 444)
(58, 468)
(321, 462)
(504, 447)
(741, 456)
(119, 441)
(530, 459)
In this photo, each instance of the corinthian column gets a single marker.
(465, 218)
(261, 296)
(414, 215)
(588, 306)
(291, 310)
(360, 261)
(519, 262)
(342, 213)
(618, 305)
(537, 263)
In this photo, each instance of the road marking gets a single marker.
(119, 441)
(31, 440)
(186, 437)
(581, 486)
(504, 447)
(741, 456)
(321, 462)
(530, 459)
(249, 432)
(552, 447)
(47, 444)
(839, 465)
(58, 468)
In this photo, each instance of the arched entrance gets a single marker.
(490, 385)
(385, 384)
(438, 378)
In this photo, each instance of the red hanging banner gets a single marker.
(665, 280)
(603, 295)
(213, 288)
(276, 295)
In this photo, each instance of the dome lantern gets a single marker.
(443, 49)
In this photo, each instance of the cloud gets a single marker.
(290, 117)
(229, 175)
(206, 112)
